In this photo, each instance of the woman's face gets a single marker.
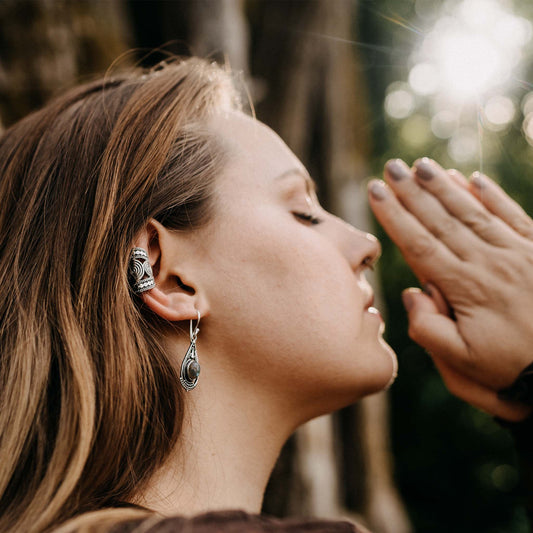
(288, 300)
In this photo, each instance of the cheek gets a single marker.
(284, 263)
(291, 293)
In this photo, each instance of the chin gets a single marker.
(377, 377)
(346, 394)
(391, 366)
(369, 370)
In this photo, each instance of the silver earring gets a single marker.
(190, 368)
(141, 271)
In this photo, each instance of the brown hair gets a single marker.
(90, 405)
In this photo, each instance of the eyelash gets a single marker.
(307, 217)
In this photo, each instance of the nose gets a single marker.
(369, 248)
(361, 249)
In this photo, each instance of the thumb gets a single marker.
(438, 334)
(433, 330)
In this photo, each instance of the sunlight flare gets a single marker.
(466, 73)
(470, 52)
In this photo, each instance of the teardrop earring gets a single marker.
(190, 368)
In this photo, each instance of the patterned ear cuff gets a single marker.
(141, 271)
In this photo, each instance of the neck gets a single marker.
(229, 443)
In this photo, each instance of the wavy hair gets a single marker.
(89, 403)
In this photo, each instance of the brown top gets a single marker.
(236, 522)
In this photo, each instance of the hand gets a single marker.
(473, 246)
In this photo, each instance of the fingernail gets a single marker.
(426, 169)
(478, 181)
(397, 169)
(377, 190)
(408, 300)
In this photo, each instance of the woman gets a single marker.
(178, 304)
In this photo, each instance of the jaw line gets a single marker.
(394, 360)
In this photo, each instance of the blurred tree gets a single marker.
(219, 29)
(47, 45)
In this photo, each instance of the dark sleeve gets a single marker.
(522, 391)
(235, 522)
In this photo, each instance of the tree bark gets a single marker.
(47, 46)
(219, 29)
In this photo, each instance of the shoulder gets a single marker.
(233, 521)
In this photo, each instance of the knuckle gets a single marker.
(472, 287)
(522, 224)
(445, 228)
(511, 268)
(528, 264)
(528, 234)
(473, 293)
(478, 221)
(506, 271)
(422, 246)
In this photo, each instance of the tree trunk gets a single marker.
(46, 46)
(219, 29)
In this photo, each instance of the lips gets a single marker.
(369, 307)
(370, 301)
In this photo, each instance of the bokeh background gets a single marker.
(348, 84)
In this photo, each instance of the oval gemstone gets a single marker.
(193, 370)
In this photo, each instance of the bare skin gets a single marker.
(473, 245)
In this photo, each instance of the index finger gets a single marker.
(463, 205)
(498, 202)
(426, 255)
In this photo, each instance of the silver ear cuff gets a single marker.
(190, 368)
(141, 271)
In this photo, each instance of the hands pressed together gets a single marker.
(471, 247)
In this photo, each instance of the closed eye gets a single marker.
(307, 217)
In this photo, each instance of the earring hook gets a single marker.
(193, 335)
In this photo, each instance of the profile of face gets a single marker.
(286, 306)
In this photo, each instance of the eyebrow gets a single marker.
(310, 182)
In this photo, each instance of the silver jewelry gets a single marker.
(190, 368)
(141, 271)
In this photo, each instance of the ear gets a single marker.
(176, 296)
